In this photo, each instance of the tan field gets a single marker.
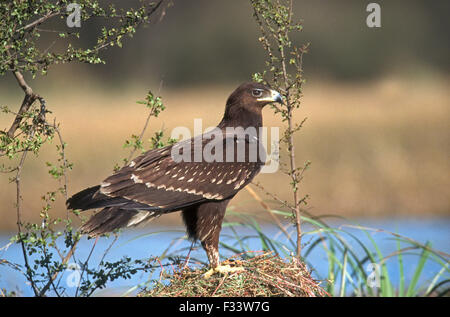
(377, 149)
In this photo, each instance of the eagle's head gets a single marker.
(245, 104)
(252, 94)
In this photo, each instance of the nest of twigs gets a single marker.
(264, 275)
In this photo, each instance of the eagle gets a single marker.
(197, 176)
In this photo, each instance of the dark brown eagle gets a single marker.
(198, 177)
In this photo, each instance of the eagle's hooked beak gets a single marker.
(274, 97)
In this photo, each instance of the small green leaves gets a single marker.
(135, 143)
(22, 52)
(158, 142)
(20, 33)
(284, 73)
(258, 77)
(155, 104)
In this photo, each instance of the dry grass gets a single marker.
(265, 275)
(376, 149)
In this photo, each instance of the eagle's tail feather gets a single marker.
(112, 218)
(83, 199)
(91, 198)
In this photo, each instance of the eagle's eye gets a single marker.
(257, 92)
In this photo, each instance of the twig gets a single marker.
(19, 217)
(275, 38)
(65, 165)
(220, 284)
(188, 257)
(40, 20)
(50, 274)
(267, 208)
(55, 275)
(28, 100)
(116, 236)
(141, 135)
(98, 48)
(85, 264)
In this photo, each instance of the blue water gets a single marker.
(150, 241)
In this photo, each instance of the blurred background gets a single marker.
(377, 102)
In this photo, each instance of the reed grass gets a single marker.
(356, 266)
(348, 257)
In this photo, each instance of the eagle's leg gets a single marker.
(204, 222)
(212, 251)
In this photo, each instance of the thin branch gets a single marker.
(19, 221)
(141, 135)
(28, 100)
(50, 273)
(65, 163)
(267, 208)
(114, 40)
(151, 113)
(19, 203)
(85, 265)
(55, 275)
(40, 20)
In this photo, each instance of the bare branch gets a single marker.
(28, 100)
(40, 20)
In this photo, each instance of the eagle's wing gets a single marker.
(156, 182)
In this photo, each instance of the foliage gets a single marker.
(284, 72)
(155, 105)
(34, 37)
(356, 265)
(23, 24)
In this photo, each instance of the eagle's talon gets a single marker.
(222, 269)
